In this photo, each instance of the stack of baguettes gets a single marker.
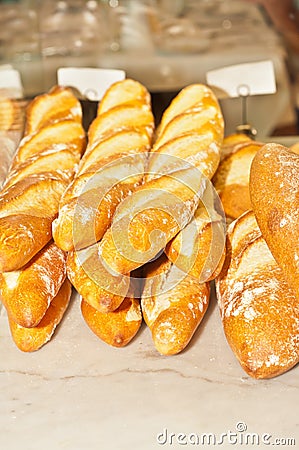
(257, 288)
(133, 194)
(137, 228)
(33, 284)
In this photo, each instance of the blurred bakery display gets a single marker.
(163, 44)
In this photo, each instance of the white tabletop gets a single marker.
(79, 393)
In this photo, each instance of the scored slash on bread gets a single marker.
(259, 310)
(54, 137)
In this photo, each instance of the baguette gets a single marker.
(100, 288)
(32, 339)
(42, 168)
(190, 133)
(113, 166)
(166, 202)
(274, 189)
(231, 179)
(116, 328)
(27, 293)
(173, 305)
(58, 105)
(147, 220)
(199, 248)
(259, 310)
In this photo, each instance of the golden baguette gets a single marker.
(116, 328)
(199, 248)
(259, 310)
(191, 131)
(173, 305)
(22, 237)
(66, 134)
(231, 179)
(113, 166)
(124, 92)
(27, 293)
(32, 339)
(27, 210)
(192, 97)
(175, 181)
(59, 104)
(103, 290)
(148, 219)
(64, 160)
(274, 189)
(42, 168)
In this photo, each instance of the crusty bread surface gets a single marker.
(259, 309)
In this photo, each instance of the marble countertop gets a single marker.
(78, 393)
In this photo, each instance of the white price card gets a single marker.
(10, 82)
(253, 78)
(92, 83)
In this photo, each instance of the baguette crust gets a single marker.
(116, 328)
(55, 137)
(27, 210)
(28, 292)
(111, 169)
(184, 155)
(32, 339)
(31, 232)
(147, 220)
(100, 288)
(57, 105)
(259, 310)
(231, 179)
(199, 249)
(126, 91)
(274, 188)
(173, 305)
(43, 166)
(190, 133)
